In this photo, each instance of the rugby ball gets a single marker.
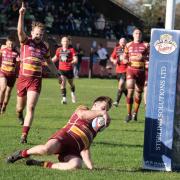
(99, 124)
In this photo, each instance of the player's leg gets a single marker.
(140, 79)
(121, 87)
(145, 86)
(130, 83)
(10, 84)
(137, 101)
(32, 98)
(51, 147)
(71, 162)
(21, 99)
(3, 85)
(145, 93)
(63, 89)
(6, 98)
(20, 105)
(72, 87)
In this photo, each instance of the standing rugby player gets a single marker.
(135, 55)
(67, 57)
(33, 53)
(9, 57)
(117, 59)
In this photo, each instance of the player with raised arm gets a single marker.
(135, 54)
(9, 57)
(72, 142)
(33, 53)
(67, 58)
(117, 59)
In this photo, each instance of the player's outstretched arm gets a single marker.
(20, 27)
(90, 114)
(86, 156)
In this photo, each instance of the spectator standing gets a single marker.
(80, 53)
(103, 56)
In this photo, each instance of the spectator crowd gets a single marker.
(78, 18)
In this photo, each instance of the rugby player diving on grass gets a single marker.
(72, 142)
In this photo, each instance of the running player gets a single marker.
(117, 59)
(136, 53)
(67, 57)
(9, 58)
(72, 142)
(33, 52)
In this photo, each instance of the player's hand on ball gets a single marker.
(107, 118)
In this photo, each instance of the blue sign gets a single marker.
(161, 100)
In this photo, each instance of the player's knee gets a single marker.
(130, 93)
(19, 109)
(45, 150)
(31, 107)
(76, 163)
(3, 89)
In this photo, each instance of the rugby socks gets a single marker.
(25, 131)
(1, 106)
(33, 162)
(24, 153)
(63, 92)
(118, 96)
(137, 102)
(20, 115)
(129, 102)
(125, 92)
(47, 164)
(73, 89)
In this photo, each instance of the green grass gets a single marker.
(116, 152)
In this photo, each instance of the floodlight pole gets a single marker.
(170, 14)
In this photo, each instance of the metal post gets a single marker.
(170, 14)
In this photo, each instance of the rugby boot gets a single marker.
(64, 100)
(128, 118)
(23, 139)
(115, 104)
(14, 157)
(134, 116)
(33, 162)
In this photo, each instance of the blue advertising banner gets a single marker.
(161, 99)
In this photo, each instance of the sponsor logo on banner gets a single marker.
(165, 45)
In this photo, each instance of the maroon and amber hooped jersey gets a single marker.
(118, 55)
(81, 130)
(65, 57)
(136, 54)
(8, 61)
(32, 57)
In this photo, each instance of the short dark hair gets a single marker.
(107, 99)
(10, 38)
(136, 28)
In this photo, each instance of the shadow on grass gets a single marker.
(117, 145)
(118, 169)
(132, 170)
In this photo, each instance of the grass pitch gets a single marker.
(116, 152)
